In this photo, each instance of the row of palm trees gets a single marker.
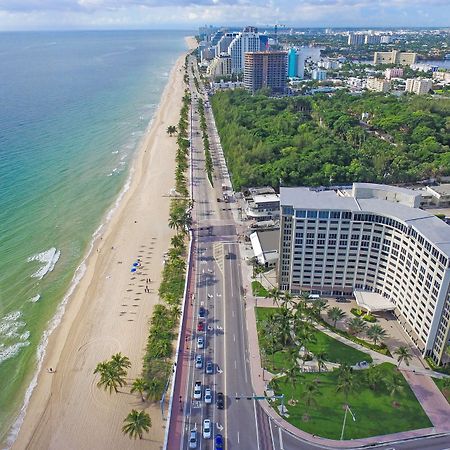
(204, 127)
(112, 376)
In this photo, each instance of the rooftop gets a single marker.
(431, 227)
(266, 198)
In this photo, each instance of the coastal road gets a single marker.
(217, 286)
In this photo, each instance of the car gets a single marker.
(218, 442)
(206, 429)
(193, 439)
(201, 312)
(198, 361)
(342, 300)
(209, 368)
(201, 326)
(200, 342)
(198, 390)
(220, 400)
(208, 395)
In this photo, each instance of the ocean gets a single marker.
(73, 108)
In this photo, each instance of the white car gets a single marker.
(200, 342)
(198, 390)
(198, 361)
(208, 395)
(193, 439)
(206, 429)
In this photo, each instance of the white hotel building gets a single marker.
(371, 238)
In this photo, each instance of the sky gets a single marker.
(188, 15)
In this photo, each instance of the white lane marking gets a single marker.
(280, 436)
(234, 337)
(238, 437)
(271, 433)
(256, 424)
(233, 313)
(235, 364)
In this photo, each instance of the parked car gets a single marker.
(218, 442)
(193, 439)
(201, 312)
(208, 395)
(198, 361)
(198, 390)
(201, 326)
(200, 342)
(209, 368)
(220, 400)
(206, 429)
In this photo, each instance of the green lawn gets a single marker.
(374, 410)
(258, 289)
(336, 351)
(440, 384)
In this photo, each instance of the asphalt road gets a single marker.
(218, 288)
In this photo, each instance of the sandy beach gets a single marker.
(109, 311)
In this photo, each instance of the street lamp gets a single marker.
(347, 408)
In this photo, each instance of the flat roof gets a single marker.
(372, 301)
(442, 189)
(431, 227)
(266, 198)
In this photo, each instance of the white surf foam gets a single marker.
(36, 298)
(12, 337)
(49, 258)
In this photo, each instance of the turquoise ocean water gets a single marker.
(73, 107)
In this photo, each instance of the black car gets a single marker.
(220, 400)
(201, 312)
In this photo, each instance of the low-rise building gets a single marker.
(265, 245)
(220, 66)
(442, 77)
(440, 195)
(262, 207)
(418, 86)
(378, 84)
(395, 57)
(319, 75)
(396, 72)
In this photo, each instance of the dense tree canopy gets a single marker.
(320, 140)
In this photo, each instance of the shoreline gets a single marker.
(154, 158)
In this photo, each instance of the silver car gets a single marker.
(198, 390)
(198, 361)
(193, 439)
(208, 395)
(200, 342)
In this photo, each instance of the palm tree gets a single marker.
(403, 354)
(321, 358)
(374, 377)
(286, 300)
(121, 362)
(356, 325)
(102, 367)
(376, 333)
(154, 389)
(346, 380)
(283, 319)
(111, 377)
(177, 241)
(395, 385)
(292, 377)
(136, 423)
(318, 306)
(275, 294)
(305, 335)
(171, 129)
(335, 314)
(139, 385)
(310, 393)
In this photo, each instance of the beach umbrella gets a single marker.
(133, 269)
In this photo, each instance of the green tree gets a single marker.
(335, 314)
(275, 294)
(136, 423)
(321, 359)
(121, 362)
(139, 385)
(403, 355)
(310, 393)
(356, 325)
(347, 382)
(375, 377)
(111, 376)
(395, 385)
(292, 376)
(376, 333)
(171, 129)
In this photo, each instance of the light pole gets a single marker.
(347, 408)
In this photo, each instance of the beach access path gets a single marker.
(110, 309)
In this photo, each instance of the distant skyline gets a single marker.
(184, 14)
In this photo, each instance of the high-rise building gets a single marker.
(374, 242)
(372, 39)
(378, 84)
(224, 43)
(394, 57)
(292, 63)
(266, 70)
(220, 66)
(246, 41)
(385, 39)
(419, 86)
(355, 39)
